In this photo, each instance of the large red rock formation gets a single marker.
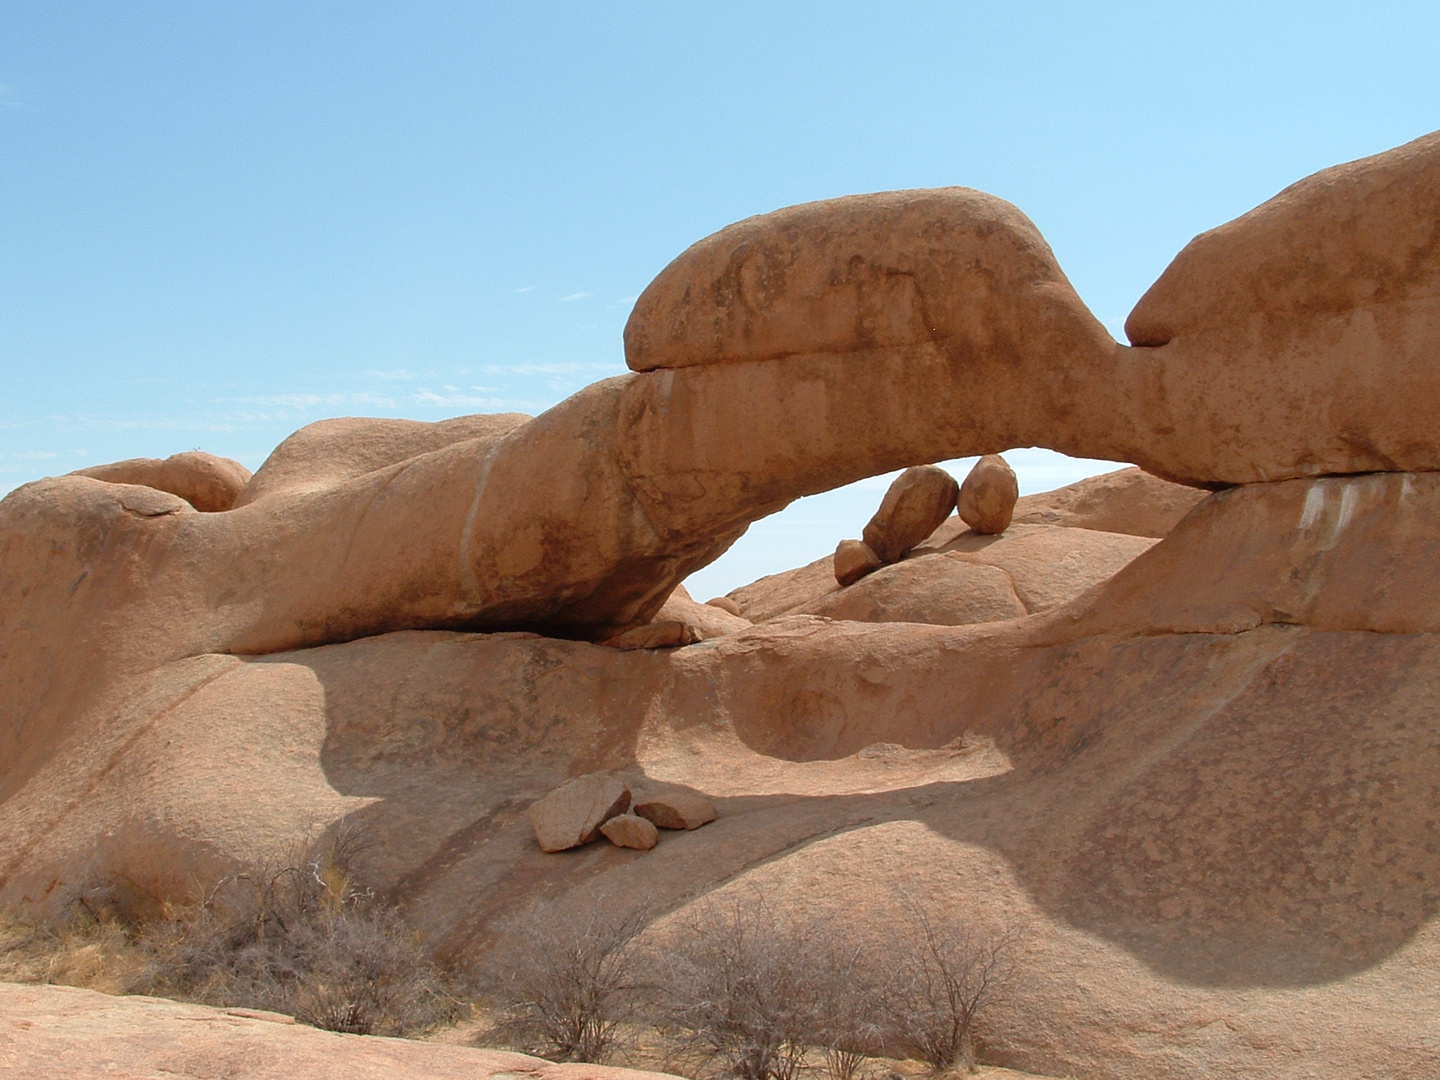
(1199, 771)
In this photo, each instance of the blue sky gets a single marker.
(221, 221)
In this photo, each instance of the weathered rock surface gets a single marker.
(63, 1033)
(631, 831)
(988, 495)
(673, 807)
(661, 634)
(1200, 773)
(707, 620)
(725, 604)
(573, 813)
(854, 559)
(915, 504)
(1127, 501)
(208, 483)
(942, 589)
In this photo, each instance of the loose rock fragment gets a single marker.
(628, 830)
(572, 814)
(665, 634)
(987, 498)
(917, 502)
(853, 560)
(676, 808)
(725, 604)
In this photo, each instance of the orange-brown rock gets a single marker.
(1126, 501)
(853, 559)
(915, 504)
(630, 831)
(675, 807)
(64, 1033)
(1303, 337)
(775, 594)
(661, 634)
(706, 621)
(208, 483)
(725, 604)
(987, 497)
(944, 590)
(574, 812)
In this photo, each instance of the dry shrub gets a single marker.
(948, 975)
(762, 992)
(305, 939)
(569, 984)
(754, 989)
(74, 951)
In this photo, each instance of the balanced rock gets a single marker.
(725, 604)
(573, 813)
(914, 506)
(988, 495)
(853, 560)
(676, 808)
(627, 830)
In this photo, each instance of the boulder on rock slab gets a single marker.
(665, 634)
(675, 808)
(942, 590)
(573, 813)
(853, 560)
(725, 604)
(628, 830)
(208, 483)
(914, 506)
(988, 495)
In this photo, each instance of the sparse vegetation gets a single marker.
(740, 986)
(568, 985)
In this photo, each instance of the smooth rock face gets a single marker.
(1127, 501)
(675, 808)
(629, 831)
(988, 495)
(662, 634)
(63, 1033)
(725, 604)
(943, 590)
(915, 504)
(854, 559)
(208, 483)
(775, 594)
(1303, 337)
(573, 813)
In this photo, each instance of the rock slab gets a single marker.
(676, 808)
(628, 830)
(573, 813)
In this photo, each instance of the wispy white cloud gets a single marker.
(573, 297)
(9, 99)
(398, 375)
(525, 288)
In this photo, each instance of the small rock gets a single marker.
(676, 808)
(666, 634)
(917, 502)
(853, 560)
(572, 814)
(628, 830)
(987, 498)
(725, 604)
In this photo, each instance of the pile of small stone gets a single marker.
(597, 804)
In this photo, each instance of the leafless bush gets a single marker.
(759, 988)
(949, 974)
(569, 985)
(305, 939)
